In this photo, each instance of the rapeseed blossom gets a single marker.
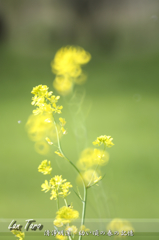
(40, 125)
(73, 229)
(119, 225)
(91, 157)
(18, 234)
(90, 177)
(46, 186)
(58, 186)
(66, 215)
(45, 101)
(67, 67)
(106, 140)
(61, 237)
(45, 167)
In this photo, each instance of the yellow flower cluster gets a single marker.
(67, 67)
(62, 123)
(89, 160)
(119, 225)
(18, 234)
(40, 125)
(61, 237)
(45, 167)
(40, 128)
(58, 186)
(65, 215)
(91, 157)
(106, 140)
(44, 100)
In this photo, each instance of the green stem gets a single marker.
(60, 149)
(57, 201)
(65, 202)
(83, 209)
(84, 186)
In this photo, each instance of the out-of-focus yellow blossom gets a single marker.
(62, 121)
(119, 225)
(53, 194)
(58, 223)
(73, 229)
(83, 228)
(63, 130)
(59, 154)
(61, 237)
(67, 214)
(42, 147)
(67, 61)
(49, 141)
(45, 101)
(58, 186)
(90, 177)
(63, 85)
(18, 234)
(106, 140)
(40, 127)
(91, 157)
(46, 186)
(45, 167)
(67, 67)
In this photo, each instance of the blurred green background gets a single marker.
(121, 100)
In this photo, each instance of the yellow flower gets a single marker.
(61, 237)
(67, 214)
(59, 154)
(46, 186)
(91, 157)
(53, 194)
(65, 189)
(49, 141)
(18, 234)
(90, 177)
(62, 121)
(40, 90)
(67, 61)
(106, 140)
(63, 130)
(44, 100)
(39, 127)
(63, 85)
(59, 187)
(119, 225)
(83, 228)
(58, 223)
(67, 67)
(45, 167)
(73, 229)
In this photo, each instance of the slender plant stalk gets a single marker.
(84, 186)
(57, 201)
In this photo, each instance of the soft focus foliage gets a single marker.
(67, 67)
